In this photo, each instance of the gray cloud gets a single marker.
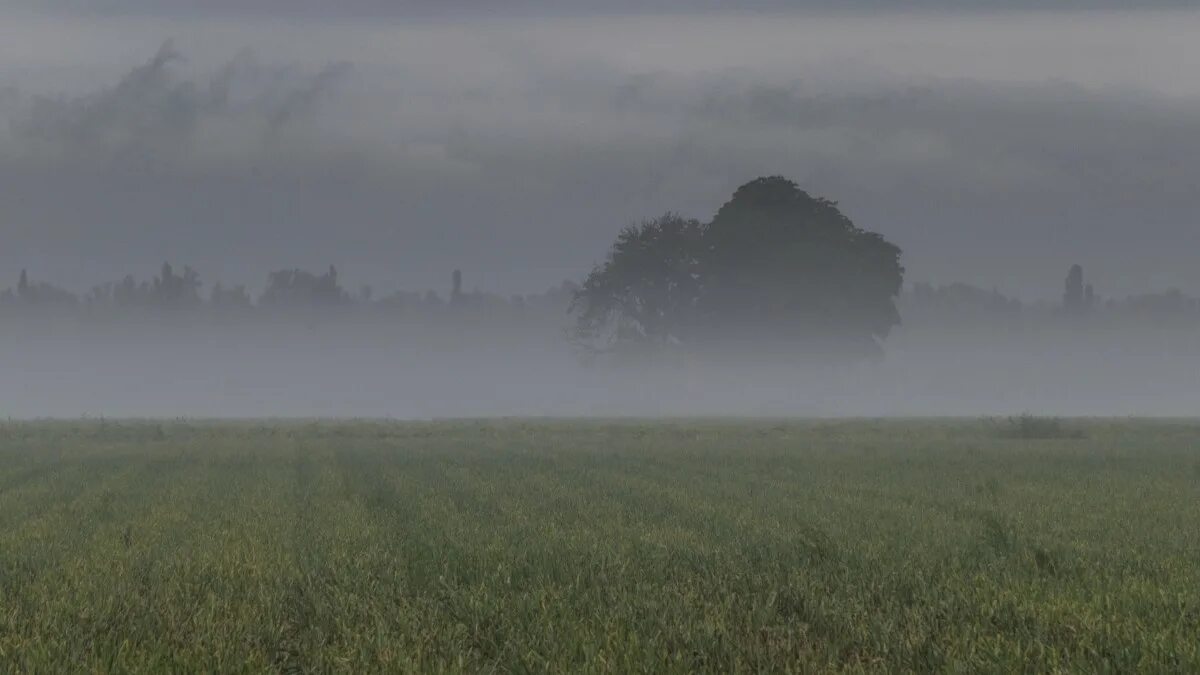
(517, 153)
(152, 115)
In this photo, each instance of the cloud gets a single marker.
(517, 156)
(151, 116)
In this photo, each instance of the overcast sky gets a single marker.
(399, 140)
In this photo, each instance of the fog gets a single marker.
(401, 141)
(319, 376)
(1136, 357)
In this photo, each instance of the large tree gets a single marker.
(775, 265)
(647, 291)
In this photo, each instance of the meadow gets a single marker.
(599, 546)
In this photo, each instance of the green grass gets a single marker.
(511, 546)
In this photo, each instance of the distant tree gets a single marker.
(648, 290)
(176, 291)
(297, 288)
(43, 294)
(229, 298)
(1073, 291)
(1169, 305)
(788, 266)
(456, 287)
(774, 265)
(1078, 297)
(100, 295)
(957, 299)
(130, 293)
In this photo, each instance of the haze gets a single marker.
(996, 148)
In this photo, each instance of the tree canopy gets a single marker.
(648, 290)
(775, 264)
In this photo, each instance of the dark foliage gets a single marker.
(298, 288)
(42, 294)
(1078, 298)
(791, 266)
(648, 291)
(774, 265)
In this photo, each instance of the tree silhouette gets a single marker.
(1073, 289)
(456, 287)
(176, 291)
(43, 294)
(1078, 298)
(775, 264)
(297, 288)
(230, 298)
(784, 265)
(649, 288)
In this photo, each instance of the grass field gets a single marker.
(598, 546)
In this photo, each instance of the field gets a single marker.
(683, 546)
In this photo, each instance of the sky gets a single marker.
(402, 140)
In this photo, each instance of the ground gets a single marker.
(623, 546)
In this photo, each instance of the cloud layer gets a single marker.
(516, 150)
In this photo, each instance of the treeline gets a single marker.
(1080, 304)
(775, 268)
(304, 291)
(288, 290)
(297, 289)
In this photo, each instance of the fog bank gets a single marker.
(372, 368)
